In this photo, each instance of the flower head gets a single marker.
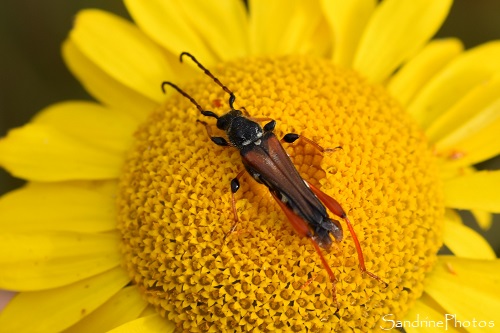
(412, 116)
(173, 218)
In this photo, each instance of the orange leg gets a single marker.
(218, 140)
(292, 137)
(336, 209)
(235, 185)
(308, 282)
(302, 229)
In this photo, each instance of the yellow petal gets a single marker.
(472, 139)
(42, 153)
(471, 114)
(395, 32)
(122, 51)
(477, 147)
(148, 311)
(80, 207)
(56, 309)
(169, 26)
(99, 126)
(484, 219)
(478, 190)
(447, 173)
(465, 242)
(150, 324)
(426, 309)
(221, 23)
(466, 133)
(422, 67)
(35, 261)
(347, 20)
(452, 216)
(282, 26)
(319, 44)
(451, 173)
(466, 288)
(122, 308)
(470, 69)
(105, 88)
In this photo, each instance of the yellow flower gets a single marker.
(412, 116)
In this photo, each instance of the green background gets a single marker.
(33, 75)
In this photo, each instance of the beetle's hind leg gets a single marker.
(303, 230)
(336, 209)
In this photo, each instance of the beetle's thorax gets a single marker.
(240, 130)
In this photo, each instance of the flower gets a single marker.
(340, 73)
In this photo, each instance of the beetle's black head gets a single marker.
(240, 130)
(224, 122)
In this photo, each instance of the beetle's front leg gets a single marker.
(220, 141)
(292, 137)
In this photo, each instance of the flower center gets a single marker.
(175, 205)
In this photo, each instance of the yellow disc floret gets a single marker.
(175, 205)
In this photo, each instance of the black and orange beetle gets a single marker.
(268, 163)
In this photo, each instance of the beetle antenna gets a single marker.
(207, 72)
(185, 94)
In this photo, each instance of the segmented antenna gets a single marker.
(185, 94)
(207, 72)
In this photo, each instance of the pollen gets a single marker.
(175, 213)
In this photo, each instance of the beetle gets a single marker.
(265, 159)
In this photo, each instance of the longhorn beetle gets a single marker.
(267, 162)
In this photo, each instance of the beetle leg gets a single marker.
(302, 229)
(220, 141)
(333, 279)
(245, 112)
(308, 282)
(292, 137)
(235, 186)
(336, 209)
